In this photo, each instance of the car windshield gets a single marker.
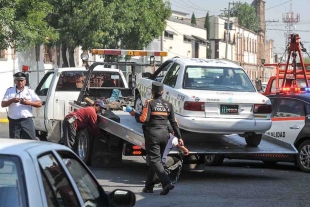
(74, 80)
(217, 79)
(12, 188)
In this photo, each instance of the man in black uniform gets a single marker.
(155, 116)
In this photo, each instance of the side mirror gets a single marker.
(122, 198)
(258, 84)
(147, 75)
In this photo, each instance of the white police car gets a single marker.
(291, 123)
(41, 174)
(210, 96)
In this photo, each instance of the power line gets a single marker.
(278, 5)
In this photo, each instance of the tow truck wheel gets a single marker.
(138, 105)
(214, 160)
(83, 146)
(253, 140)
(303, 156)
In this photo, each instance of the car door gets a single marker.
(41, 113)
(169, 82)
(288, 119)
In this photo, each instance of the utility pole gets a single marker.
(227, 30)
(264, 55)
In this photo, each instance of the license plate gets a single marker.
(229, 109)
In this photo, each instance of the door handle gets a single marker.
(294, 127)
(167, 92)
(43, 102)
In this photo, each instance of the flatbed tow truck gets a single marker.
(128, 133)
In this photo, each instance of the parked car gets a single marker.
(40, 174)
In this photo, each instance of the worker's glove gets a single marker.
(128, 109)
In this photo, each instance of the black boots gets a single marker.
(166, 189)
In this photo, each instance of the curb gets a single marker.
(5, 120)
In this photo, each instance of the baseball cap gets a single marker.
(100, 103)
(19, 76)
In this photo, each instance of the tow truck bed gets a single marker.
(131, 131)
(214, 144)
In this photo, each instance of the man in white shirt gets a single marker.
(20, 100)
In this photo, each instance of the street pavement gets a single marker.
(237, 183)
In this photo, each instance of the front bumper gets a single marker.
(223, 126)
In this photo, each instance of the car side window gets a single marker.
(44, 85)
(58, 183)
(159, 75)
(290, 108)
(91, 192)
(172, 75)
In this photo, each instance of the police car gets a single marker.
(210, 96)
(291, 122)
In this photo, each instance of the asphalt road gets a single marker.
(237, 183)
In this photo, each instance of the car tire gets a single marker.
(138, 106)
(253, 140)
(214, 160)
(83, 146)
(303, 156)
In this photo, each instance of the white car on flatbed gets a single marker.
(210, 96)
(41, 174)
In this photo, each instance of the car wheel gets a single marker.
(84, 145)
(214, 160)
(138, 105)
(253, 140)
(303, 156)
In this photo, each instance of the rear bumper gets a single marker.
(223, 126)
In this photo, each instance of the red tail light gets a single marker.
(262, 109)
(194, 106)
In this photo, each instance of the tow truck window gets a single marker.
(217, 79)
(300, 83)
(74, 80)
(12, 183)
(290, 108)
(44, 85)
(172, 75)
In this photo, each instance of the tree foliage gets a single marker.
(23, 24)
(247, 16)
(193, 19)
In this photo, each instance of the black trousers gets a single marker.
(156, 139)
(69, 133)
(22, 128)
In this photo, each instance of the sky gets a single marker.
(273, 8)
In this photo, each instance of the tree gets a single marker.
(246, 14)
(23, 24)
(207, 26)
(193, 19)
(134, 24)
(107, 23)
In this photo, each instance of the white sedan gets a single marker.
(41, 174)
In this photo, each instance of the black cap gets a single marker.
(20, 76)
(157, 87)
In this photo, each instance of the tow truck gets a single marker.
(123, 136)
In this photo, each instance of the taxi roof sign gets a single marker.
(129, 52)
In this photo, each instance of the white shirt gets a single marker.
(17, 110)
(172, 142)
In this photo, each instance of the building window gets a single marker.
(244, 46)
(255, 47)
(187, 39)
(169, 34)
(250, 49)
(48, 54)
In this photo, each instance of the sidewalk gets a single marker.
(3, 117)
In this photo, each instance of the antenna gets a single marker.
(290, 19)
